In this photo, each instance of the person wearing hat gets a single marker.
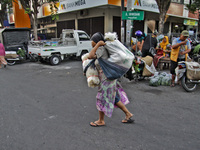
(180, 49)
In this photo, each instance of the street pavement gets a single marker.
(45, 107)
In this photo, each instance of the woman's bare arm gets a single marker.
(92, 54)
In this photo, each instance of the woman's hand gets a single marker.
(92, 54)
(101, 43)
(93, 57)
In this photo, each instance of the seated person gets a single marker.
(139, 45)
(165, 46)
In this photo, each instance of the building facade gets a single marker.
(105, 15)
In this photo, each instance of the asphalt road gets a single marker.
(45, 107)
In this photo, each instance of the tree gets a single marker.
(31, 7)
(193, 5)
(163, 6)
(3, 10)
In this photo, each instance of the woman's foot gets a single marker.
(128, 118)
(172, 84)
(97, 123)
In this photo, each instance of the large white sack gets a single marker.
(119, 54)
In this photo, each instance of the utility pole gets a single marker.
(123, 23)
(128, 24)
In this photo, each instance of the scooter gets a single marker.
(188, 85)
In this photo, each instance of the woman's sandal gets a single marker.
(128, 120)
(96, 125)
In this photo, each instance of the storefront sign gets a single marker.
(190, 22)
(133, 15)
(72, 5)
(149, 5)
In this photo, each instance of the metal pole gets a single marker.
(122, 23)
(128, 24)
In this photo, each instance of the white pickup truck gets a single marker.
(71, 42)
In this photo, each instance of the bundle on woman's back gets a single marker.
(119, 57)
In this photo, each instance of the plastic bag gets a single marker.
(154, 82)
(119, 62)
(119, 54)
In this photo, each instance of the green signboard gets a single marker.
(133, 15)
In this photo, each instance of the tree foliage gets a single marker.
(163, 6)
(32, 7)
(193, 5)
(3, 9)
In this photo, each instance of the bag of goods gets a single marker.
(193, 70)
(11, 54)
(160, 79)
(120, 58)
(90, 71)
(149, 68)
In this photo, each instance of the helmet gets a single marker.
(138, 33)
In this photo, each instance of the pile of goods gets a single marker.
(160, 79)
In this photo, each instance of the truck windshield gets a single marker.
(83, 37)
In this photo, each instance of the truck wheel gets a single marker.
(55, 60)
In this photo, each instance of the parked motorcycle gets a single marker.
(142, 67)
(139, 70)
(189, 75)
(12, 56)
(135, 72)
(193, 42)
(33, 57)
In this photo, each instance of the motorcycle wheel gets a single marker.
(187, 85)
(140, 77)
(11, 62)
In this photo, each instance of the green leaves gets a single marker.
(28, 11)
(54, 9)
(192, 7)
